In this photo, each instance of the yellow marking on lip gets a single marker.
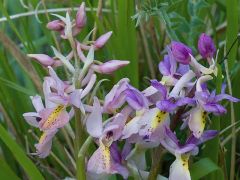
(184, 159)
(42, 138)
(203, 119)
(106, 156)
(203, 115)
(53, 116)
(158, 119)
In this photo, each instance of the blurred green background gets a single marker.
(141, 30)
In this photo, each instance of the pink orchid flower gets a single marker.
(106, 134)
(52, 116)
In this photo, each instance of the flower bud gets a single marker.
(81, 17)
(206, 46)
(109, 67)
(43, 59)
(101, 41)
(56, 25)
(181, 52)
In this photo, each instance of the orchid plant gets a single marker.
(126, 122)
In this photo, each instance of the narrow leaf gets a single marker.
(30, 169)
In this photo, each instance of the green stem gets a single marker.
(79, 140)
(233, 120)
(156, 163)
(85, 146)
(212, 147)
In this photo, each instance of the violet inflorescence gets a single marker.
(136, 120)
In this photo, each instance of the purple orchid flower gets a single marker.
(169, 103)
(178, 77)
(123, 92)
(206, 103)
(147, 126)
(179, 168)
(106, 135)
(168, 68)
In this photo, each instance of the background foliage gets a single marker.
(141, 29)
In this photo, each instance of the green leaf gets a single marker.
(30, 169)
(202, 168)
(125, 42)
(5, 82)
(232, 30)
(6, 172)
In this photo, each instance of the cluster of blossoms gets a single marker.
(137, 120)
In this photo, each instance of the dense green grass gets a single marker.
(139, 35)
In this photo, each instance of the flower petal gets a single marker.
(215, 108)
(53, 118)
(116, 98)
(221, 97)
(179, 170)
(45, 143)
(164, 66)
(94, 121)
(37, 102)
(197, 121)
(161, 88)
(31, 118)
(101, 161)
(135, 98)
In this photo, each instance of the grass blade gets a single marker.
(6, 172)
(126, 41)
(21, 58)
(30, 169)
(202, 168)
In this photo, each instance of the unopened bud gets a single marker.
(206, 46)
(102, 40)
(181, 52)
(81, 17)
(43, 59)
(56, 25)
(109, 67)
